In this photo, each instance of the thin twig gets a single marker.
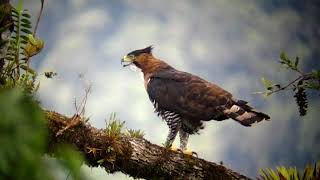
(38, 20)
(302, 77)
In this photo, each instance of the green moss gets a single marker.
(114, 127)
(134, 133)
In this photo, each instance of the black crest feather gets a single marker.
(147, 50)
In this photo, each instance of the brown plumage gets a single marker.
(184, 100)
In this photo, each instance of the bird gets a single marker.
(185, 101)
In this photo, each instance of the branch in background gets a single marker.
(38, 20)
(133, 156)
(304, 81)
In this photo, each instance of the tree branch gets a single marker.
(301, 77)
(133, 156)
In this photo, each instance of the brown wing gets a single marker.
(188, 95)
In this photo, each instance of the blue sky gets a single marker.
(230, 43)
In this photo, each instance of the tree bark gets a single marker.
(136, 157)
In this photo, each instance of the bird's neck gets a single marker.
(152, 66)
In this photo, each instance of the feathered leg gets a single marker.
(174, 127)
(184, 136)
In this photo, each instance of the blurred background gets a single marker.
(230, 43)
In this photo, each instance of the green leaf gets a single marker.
(24, 37)
(284, 57)
(27, 31)
(9, 58)
(100, 161)
(267, 83)
(20, 6)
(23, 42)
(26, 25)
(13, 38)
(25, 20)
(28, 69)
(24, 59)
(11, 53)
(16, 21)
(32, 39)
(312, 85)
(26, 15)
(70, 159)
(134, 133)
(23, 136)
(15, 11)
(14, 15)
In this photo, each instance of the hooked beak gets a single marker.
(126, 61)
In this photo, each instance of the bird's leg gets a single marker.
(184, 136)
(170, 138)
(173, 130)
(183, 139)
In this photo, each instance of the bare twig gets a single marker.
(38, 20)
(301, 77)
(75, 120)
(80, 111)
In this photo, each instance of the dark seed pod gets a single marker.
(301, 100)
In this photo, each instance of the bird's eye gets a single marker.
(131, 56)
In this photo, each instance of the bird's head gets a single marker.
(138, 57)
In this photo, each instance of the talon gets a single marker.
(190, 153)
(179, 150)
(194, 154)
(187, 152)
(173, 148)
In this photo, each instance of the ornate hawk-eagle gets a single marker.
(184, 100)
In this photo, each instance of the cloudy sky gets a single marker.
(230, 43)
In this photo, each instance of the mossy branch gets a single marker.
(133, 156)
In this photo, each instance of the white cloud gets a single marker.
(230, 43)
(77, 4)
(131, 34)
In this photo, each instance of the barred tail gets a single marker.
(244, 114)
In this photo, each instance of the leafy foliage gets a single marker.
(283, 173)
(71, 160)
(23, 132)
(15, 69)
(22, 137)
(304, 81)
(115, 128)
(135, 133)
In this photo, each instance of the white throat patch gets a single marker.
(133, 67)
